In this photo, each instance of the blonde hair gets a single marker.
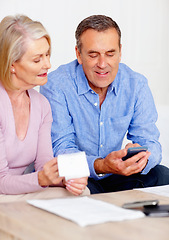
(14, 31)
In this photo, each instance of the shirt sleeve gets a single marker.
(44, 147)
(14, 184)
(62, 127)
(142, 129)
(19, 184)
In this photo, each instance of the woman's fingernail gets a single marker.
(70, 181)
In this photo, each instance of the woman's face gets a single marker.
(31, 70)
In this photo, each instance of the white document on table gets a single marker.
(86, 211)
(73, 165)
(159, 190)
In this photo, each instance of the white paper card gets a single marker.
(86, 211)
(159, 190)
(73, 165)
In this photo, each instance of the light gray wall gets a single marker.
(144, 25)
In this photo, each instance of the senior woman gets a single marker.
(25, 115)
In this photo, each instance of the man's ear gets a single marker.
(78, 55)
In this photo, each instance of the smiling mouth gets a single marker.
(102, 73)
(42, 75)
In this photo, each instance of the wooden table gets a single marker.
(19, 220)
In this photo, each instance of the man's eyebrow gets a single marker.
(92, 51)
(109, 51)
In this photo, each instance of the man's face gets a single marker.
(100, 56)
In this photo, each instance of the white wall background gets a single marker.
(144, 25)
(145, 38)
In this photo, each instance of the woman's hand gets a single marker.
(50, 175)
(76, 186)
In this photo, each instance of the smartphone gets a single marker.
(133, 151)
(138, 204)
(157, 211)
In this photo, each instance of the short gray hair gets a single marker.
(96, 22)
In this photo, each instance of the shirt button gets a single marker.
(95, 104)
(101, 145)
(92, 91)
(101, 123)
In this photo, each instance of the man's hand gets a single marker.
(113, 162)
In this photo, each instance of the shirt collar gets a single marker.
(81, 81)
(114, 86)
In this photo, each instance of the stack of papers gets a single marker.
(86, 211)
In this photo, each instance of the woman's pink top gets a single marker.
(16, 155)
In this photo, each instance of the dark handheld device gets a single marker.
(133, 151)
(150, 208)
(157, 211)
